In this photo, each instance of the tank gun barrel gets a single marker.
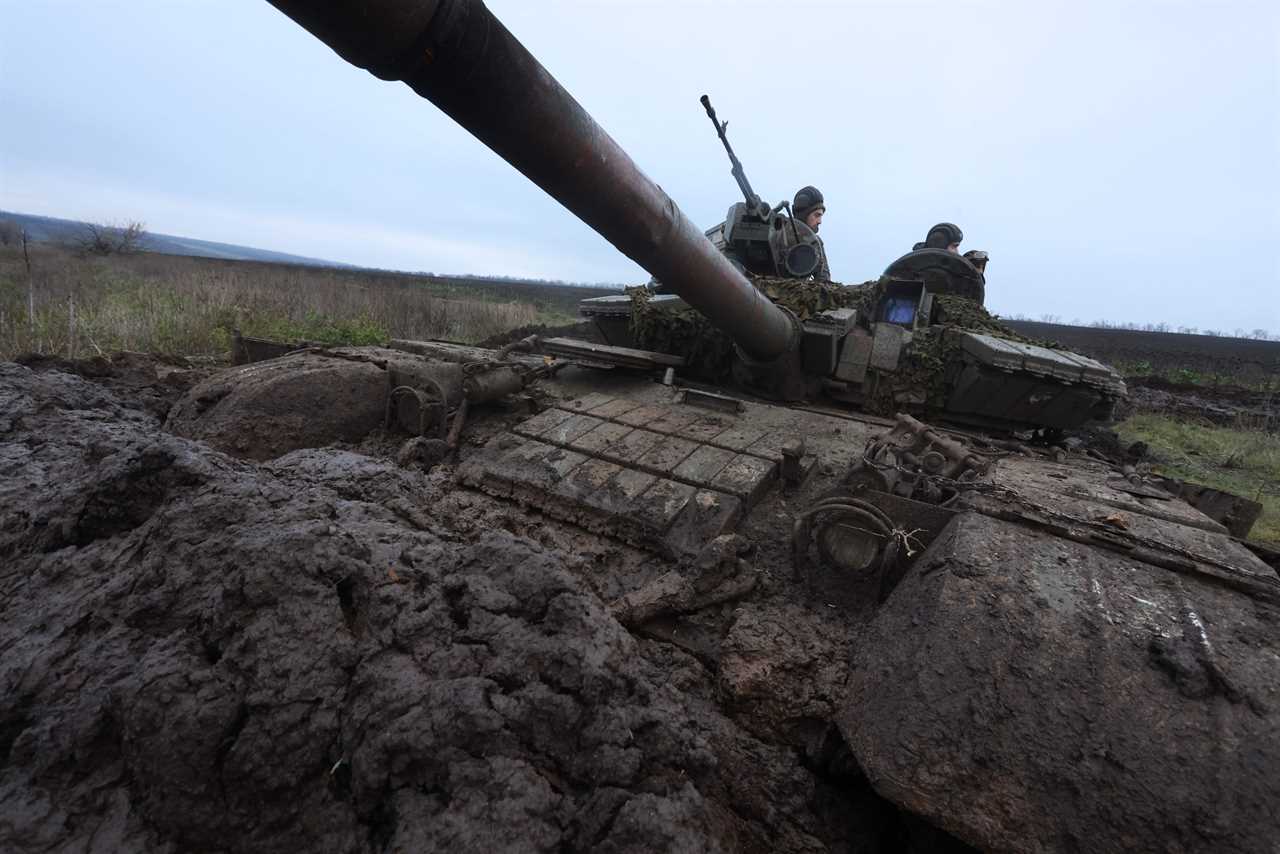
(458, 56)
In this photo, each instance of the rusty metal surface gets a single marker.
(627, 357)
(461, 58)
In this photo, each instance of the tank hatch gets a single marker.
(663, 476)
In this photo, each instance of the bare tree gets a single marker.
(105, 239)
(131, 237)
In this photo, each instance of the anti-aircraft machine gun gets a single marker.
(760, 239)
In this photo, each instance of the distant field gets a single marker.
(1203, 359)
(78, 306)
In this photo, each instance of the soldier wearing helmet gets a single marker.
(807, 208)
(978, 259)
(945, 235)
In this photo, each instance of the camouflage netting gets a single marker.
(922, 377)
(685, 332)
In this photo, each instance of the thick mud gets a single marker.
(140, 380)
(299, 644)
(1231, 406)
(328, 652)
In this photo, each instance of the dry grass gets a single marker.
(74, 306)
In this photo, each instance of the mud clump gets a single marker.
(202, 653)
(266, 409)
(152, 383)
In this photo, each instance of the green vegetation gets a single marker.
(1190, 376)
(1240, 460)
(78, 306)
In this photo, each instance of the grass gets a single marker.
(75, 306)
(1243, 460)
(1191, 376)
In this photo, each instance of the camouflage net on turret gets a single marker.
(921, 380)
(684, 331)
(921, 376)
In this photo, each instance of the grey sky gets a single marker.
(1118, 160)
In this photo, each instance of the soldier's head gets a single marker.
(808, 206)
(944, 235)
(978, 259)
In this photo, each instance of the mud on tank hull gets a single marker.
(1025, 623)
(1037, 628)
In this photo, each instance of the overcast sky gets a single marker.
(1118, 160)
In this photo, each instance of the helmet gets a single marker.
(807, 200)
(977, 258)
(943, 235)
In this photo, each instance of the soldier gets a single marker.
(978, 259)
(944, 235)
(808, 206)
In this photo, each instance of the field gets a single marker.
(77, 306)
(1179, 357)
(81, 306)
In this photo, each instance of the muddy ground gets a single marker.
(322, 649)
(1224, 405)
(329, 652)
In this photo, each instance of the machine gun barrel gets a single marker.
(739, 174)
(457, 55)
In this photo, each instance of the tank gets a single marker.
(481, 76)
(1027, 646)
(918, 339)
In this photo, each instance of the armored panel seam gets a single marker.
(748, 489)
(629, 418)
